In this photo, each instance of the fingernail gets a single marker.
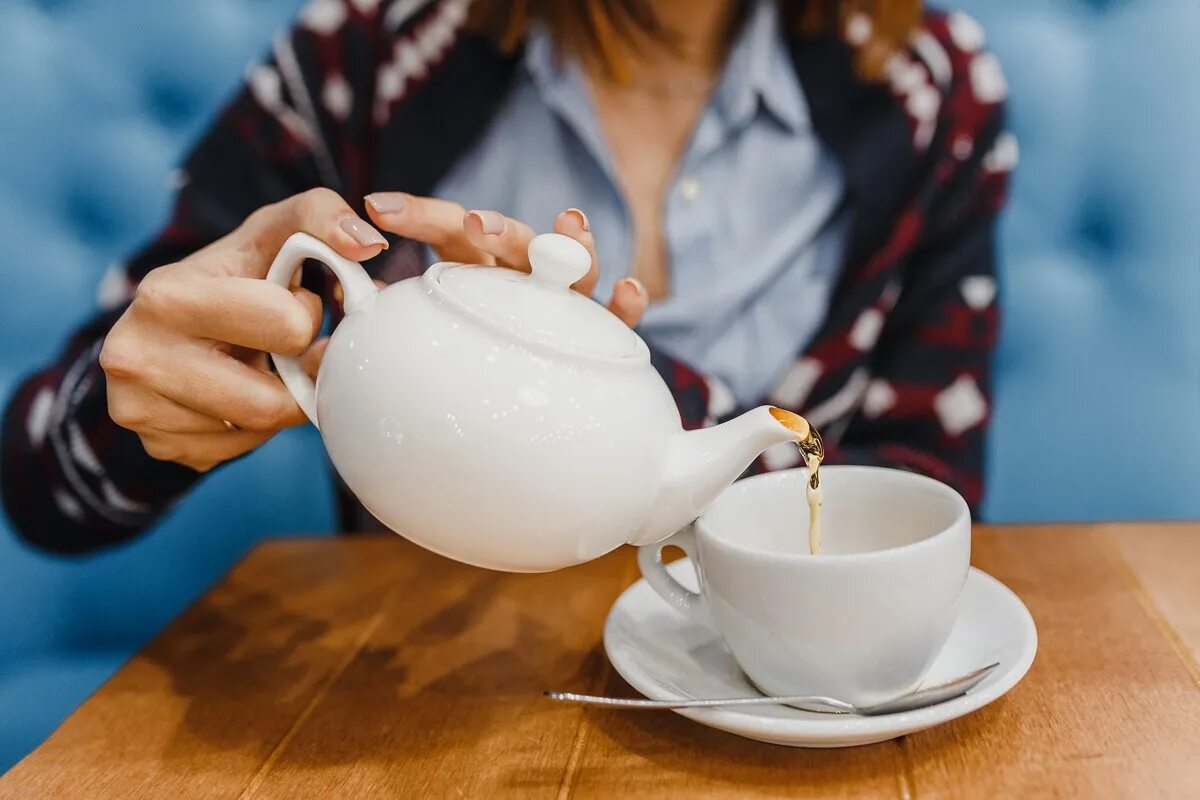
(583, 220)
(489, 221)
(387, 202)
(636, 284)
(361, 232)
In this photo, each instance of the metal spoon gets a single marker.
(918, 698)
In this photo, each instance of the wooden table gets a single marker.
(370, 668)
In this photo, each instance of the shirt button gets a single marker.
(689, 189)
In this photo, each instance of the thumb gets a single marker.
(319, 212)
(310, 361)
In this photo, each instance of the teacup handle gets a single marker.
(650, 561)
(359, 291)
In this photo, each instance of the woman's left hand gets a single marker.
(488, 237)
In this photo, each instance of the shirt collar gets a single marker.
(563, 88)
(757, 73)
(541, 58)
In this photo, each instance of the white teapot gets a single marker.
(504, 420)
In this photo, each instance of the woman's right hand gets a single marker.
(186, 363)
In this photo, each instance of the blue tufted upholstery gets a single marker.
(1100, 257)
(99, 99)
(1101, 278)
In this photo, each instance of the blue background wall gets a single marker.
(1100, 250)
(1100, 281)
(98, 100)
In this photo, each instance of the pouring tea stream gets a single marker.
(506, 421)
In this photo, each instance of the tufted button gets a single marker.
(52, 6)
(88, 214)
(171, 103)
(1097, 226)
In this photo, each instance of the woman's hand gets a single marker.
(186, 365)
(487, 237)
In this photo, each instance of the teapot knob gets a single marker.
(558, 260)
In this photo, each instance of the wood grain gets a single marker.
(444, 699)
(371, 668)
(1165, 561)
(663, 755)
(1108, 709)
(198, 712)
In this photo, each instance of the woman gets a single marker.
(794, 201)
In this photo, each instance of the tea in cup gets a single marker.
(863, 620)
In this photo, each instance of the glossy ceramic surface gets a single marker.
(864, 620)
(665, 655)
(504, 420)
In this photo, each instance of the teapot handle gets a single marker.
(359, 291)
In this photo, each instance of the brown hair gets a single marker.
(602, 28)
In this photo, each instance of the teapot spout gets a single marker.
(702, 463)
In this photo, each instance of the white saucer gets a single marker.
(664, 656)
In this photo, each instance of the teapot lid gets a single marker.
(541, 309)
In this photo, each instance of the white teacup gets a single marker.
(862, 621)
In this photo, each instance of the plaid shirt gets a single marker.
(366, 96)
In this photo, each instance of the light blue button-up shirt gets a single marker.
(754, 223)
